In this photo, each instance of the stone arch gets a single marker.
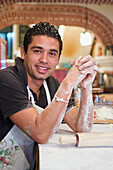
(18, 13)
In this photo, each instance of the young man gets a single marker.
(28, 89)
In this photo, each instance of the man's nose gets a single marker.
(44, 58)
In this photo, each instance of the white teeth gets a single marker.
(42, 68)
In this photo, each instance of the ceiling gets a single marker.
(7, 2)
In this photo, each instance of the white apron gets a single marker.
(16, 149)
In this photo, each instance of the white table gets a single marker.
(55, 156)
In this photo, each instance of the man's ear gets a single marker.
(22, 52)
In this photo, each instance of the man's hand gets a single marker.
(75, 76)
(88, 67)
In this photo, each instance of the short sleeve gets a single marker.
(13, 97)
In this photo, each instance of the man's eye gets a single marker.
(53, 54)
(37, 51)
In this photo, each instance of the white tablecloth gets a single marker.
(55, 156)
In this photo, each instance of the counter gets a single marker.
(55, 156)
(107, 96)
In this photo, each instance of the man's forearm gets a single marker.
(52, 116)
(85, 115)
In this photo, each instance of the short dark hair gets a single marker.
(42, 28)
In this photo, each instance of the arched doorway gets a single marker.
(18, 13)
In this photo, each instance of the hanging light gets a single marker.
(61, 30)
(85, 37)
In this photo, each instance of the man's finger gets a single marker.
(72, 62)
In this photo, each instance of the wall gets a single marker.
(16, 49)
(72, 47)
(103, 9)
(100, 20)
(71, 14)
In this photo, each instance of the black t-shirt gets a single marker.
(14, 95)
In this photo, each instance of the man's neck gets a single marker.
(35, 84)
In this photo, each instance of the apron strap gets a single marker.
(30, 95)
(47, 92)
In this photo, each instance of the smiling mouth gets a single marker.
(42, 68)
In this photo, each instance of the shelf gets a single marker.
(108, 72)
(108, 89)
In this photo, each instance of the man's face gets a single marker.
(42, 57)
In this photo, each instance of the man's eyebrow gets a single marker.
(37, 47)
(54, 50)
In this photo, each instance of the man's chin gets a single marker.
(42, 77)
